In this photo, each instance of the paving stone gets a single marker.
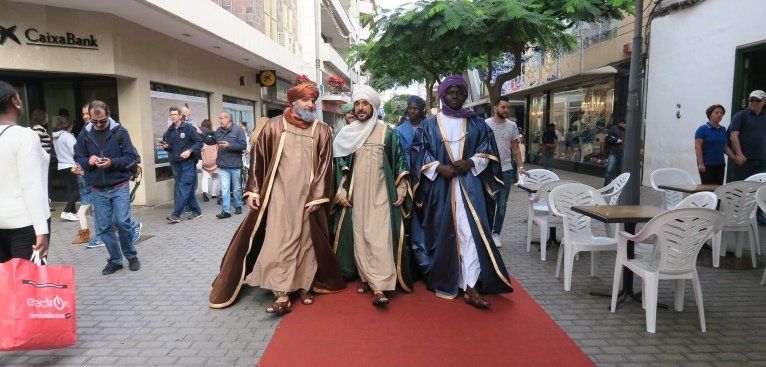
(158, 316)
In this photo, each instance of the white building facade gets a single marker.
(713, 52)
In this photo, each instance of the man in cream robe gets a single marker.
(371, 201)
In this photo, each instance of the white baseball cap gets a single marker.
(758, 94)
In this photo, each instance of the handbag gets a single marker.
(37, 307)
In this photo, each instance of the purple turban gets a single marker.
(454, 81)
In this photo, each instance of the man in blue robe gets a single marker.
(456, 174)
(411, 119)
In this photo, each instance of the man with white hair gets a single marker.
(283, 243)
(372, 202)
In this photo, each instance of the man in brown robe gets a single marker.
(283, 243)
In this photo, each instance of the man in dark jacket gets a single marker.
(614, 141)
(231, 142)
(183, 144)
(107, 155)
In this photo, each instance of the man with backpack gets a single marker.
(107, 155)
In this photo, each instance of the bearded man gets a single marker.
(372, 196)
(456, 176)
(288, 249)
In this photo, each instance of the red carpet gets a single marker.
(419, 329)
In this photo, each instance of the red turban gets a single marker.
(300, 91)
(295, 93)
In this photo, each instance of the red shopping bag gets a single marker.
(37, 306)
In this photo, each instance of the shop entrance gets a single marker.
(749, 75)
(60, 95)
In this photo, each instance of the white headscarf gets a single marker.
(351, 137)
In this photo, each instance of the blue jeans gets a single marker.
(231, 181)
(186, 177)
(612, 168)
(112, 209)
(502, 200)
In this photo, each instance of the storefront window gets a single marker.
(536, 125)
(581, 117)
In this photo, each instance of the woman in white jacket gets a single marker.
(24, 218)
(63, 144)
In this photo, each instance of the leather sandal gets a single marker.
(306, 297)
(280, 308)
(363, 288)
(379, 299)
(473, 298)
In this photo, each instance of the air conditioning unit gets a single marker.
(286, 40)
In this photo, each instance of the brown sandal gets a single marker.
(379, 299)
(473, 298)
(306, 297)
(280, 308)
(363, 288)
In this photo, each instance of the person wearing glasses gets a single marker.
(183, 144)
(748, 134)
(107, 155)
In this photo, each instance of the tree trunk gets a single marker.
(429, 97)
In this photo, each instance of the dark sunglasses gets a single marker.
(100, 122)
(753, 99)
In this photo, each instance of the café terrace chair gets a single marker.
(611, 194)
(737, 205)
(578, 235)
(536, 177)
(670, 176)
(760, 198)
(758, 177)
(680, 235)
(540, 215)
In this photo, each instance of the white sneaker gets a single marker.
(496, 239)
(70, 217)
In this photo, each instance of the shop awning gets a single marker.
(559, 83)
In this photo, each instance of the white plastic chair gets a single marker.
(540, 215)
(680, 236)
(706, 199)
(578, 235)
(538, 177)
(738, 205)
(611, 194)
(761, 178)
(758, 177)
(760, 199)
(670, 176)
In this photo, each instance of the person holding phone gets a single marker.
(107, 155)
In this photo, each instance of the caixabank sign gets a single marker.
(37, 37)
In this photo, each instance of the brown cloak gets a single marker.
(246, 244)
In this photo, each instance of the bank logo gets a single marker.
(6, 33)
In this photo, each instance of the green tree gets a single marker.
(436, 38)
(395, 108)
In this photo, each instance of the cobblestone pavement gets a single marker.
(159, 315)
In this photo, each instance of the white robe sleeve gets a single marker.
(479, 164)
(431, 171)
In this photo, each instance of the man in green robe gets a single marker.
(371, 201)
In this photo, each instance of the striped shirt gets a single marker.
(45, 139)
